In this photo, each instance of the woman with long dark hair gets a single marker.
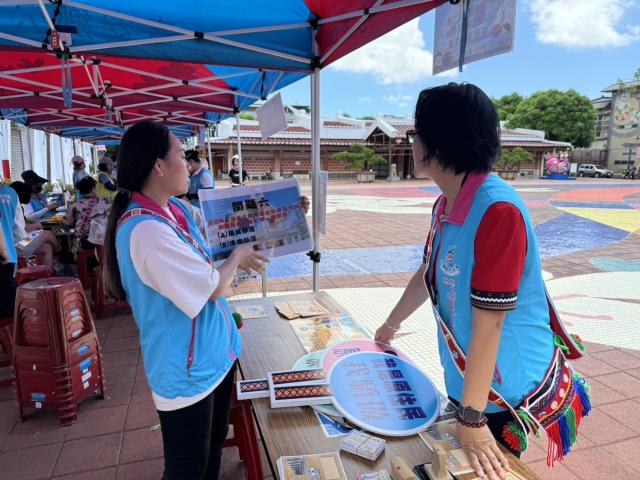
(156, 258)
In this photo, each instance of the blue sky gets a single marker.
(581, 44)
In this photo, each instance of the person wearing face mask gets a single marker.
(157, 259)
(39, 207)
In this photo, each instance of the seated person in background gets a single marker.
(87, 208)
(107, 187)
(79, 171)
(31, 241)
(38, 207)
(200, 178)
(234, 173)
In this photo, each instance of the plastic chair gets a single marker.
(98, 292)
(245, 438)
(27, 274)
(83, 267)
(57, 361)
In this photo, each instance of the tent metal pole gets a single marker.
(315, 174)
(239, 146)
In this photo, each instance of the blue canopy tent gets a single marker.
(282, 35)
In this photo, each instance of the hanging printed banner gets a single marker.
(268, 217)
(490, 32)
(384, 394)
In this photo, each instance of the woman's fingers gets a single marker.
(475, 464)
(501, 457)
(487, 466)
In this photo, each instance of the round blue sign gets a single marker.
(384, 394)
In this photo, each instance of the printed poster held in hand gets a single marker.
(268, 217)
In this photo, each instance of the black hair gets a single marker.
(141, 146)
(192, 155)
(85, 185)
(23, 190)
(103, 167)
(459, 127)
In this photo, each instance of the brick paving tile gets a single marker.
(618, 359)
(89, 454)
(602, 394)
(598, 464)
(147, 470)
(29, 463)
(99, 421)
(602, 429)
(106, 474)
(591, 366)
(626, 412)
(627, 452)
(141, 415)
(623, 382)
(142, 444)
(42, 428)
(558, 472)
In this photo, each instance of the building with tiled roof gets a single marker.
(288, 152)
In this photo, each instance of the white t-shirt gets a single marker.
(165, 263)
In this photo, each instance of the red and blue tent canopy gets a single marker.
(292, 35)
(121, 90)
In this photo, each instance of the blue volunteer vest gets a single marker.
(38, 204)
(8, 206)
(526, 344)
(196, 182)
(165, 331)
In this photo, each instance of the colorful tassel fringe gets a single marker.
(562, 434)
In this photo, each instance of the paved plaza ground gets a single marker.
(589, 239)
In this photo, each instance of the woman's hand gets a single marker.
(384, 334)
(249, 260)
(487, 460)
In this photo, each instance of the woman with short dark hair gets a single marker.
(497, 329)
(157, 258)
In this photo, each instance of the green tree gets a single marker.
(511, 159)
(345, 115)
(359, 157)
(367, 117)
(563, 116)
(247, 116)
(507, 105)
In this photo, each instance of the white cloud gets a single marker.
(398, 100)
(587, 23)
(364, 99)
(397, 57)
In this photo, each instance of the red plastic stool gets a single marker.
(27, 274)
(37, 259)
(6, 338)
(245, 438)
(83, 267)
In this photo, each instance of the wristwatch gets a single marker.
(471, 417)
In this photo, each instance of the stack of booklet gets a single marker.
(363, 444)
